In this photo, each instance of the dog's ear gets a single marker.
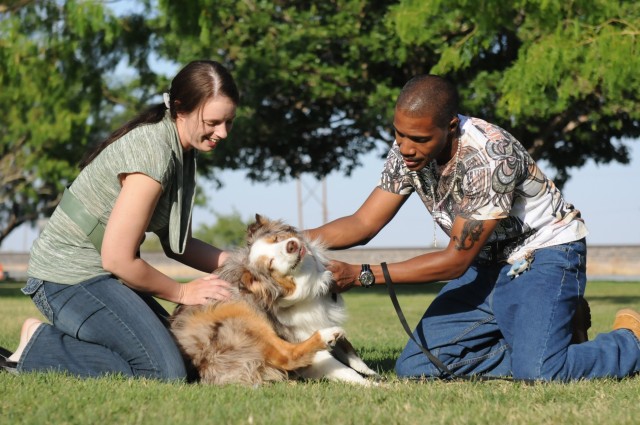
(253, 227)
(257, 288)
(247, 279)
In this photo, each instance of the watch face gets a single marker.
(366, 278)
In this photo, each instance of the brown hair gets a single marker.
(197, 82)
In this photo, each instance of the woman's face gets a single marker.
(203, 128)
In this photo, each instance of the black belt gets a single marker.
(500, 251)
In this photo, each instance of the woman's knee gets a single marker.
(165, 368)
(173, 372)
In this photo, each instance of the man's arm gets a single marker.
(468, 236)
(360, 227)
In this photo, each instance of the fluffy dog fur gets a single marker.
(281, 318)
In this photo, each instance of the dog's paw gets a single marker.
(331, 335)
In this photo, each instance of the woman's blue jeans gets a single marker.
(488, 323)
(100, 327)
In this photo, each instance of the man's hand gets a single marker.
(345, 276)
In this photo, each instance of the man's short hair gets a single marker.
(429, 95)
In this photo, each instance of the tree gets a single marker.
(561, 76)
(59, 94)
(228, 231)
(319, 79)
(225, 232)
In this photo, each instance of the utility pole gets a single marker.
(306, 192)
(300, 209)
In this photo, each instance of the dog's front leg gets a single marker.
(286, 355)
(325, 366)
(344, 351)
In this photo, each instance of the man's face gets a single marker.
(420, 140)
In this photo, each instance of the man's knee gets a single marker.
(415, 366)
(536, 371)
(403, 370)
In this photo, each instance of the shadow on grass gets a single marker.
(383, 366)
(622, 300)
(11, 290)
(401, 290)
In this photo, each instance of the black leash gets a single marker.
(433, 359)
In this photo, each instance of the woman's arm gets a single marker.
(199, 255)
(126, 226)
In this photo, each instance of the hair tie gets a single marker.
(167, 100)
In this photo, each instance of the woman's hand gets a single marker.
(203, 290)
(344, 275)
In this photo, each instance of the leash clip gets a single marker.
(520, 267)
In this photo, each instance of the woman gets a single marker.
(85, 272)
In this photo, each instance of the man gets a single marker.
(516, 257)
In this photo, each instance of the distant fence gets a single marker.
(603, 262)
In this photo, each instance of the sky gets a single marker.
(608, 196)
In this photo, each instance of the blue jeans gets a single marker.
(488, 323)
(100, 327)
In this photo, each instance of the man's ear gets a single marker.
(454, 123)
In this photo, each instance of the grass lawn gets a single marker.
(375, 331)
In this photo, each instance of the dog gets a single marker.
(281, 318)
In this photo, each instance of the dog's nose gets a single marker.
(292, 246)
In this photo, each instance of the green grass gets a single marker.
(375, 331)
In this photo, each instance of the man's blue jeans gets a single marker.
(488, 323)
(100, 327)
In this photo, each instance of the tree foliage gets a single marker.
(318, 79)
(561, 76)
(227, 231)
(59, 93)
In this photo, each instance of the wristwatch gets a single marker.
(366, 278)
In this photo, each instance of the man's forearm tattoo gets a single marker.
(471, 232)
